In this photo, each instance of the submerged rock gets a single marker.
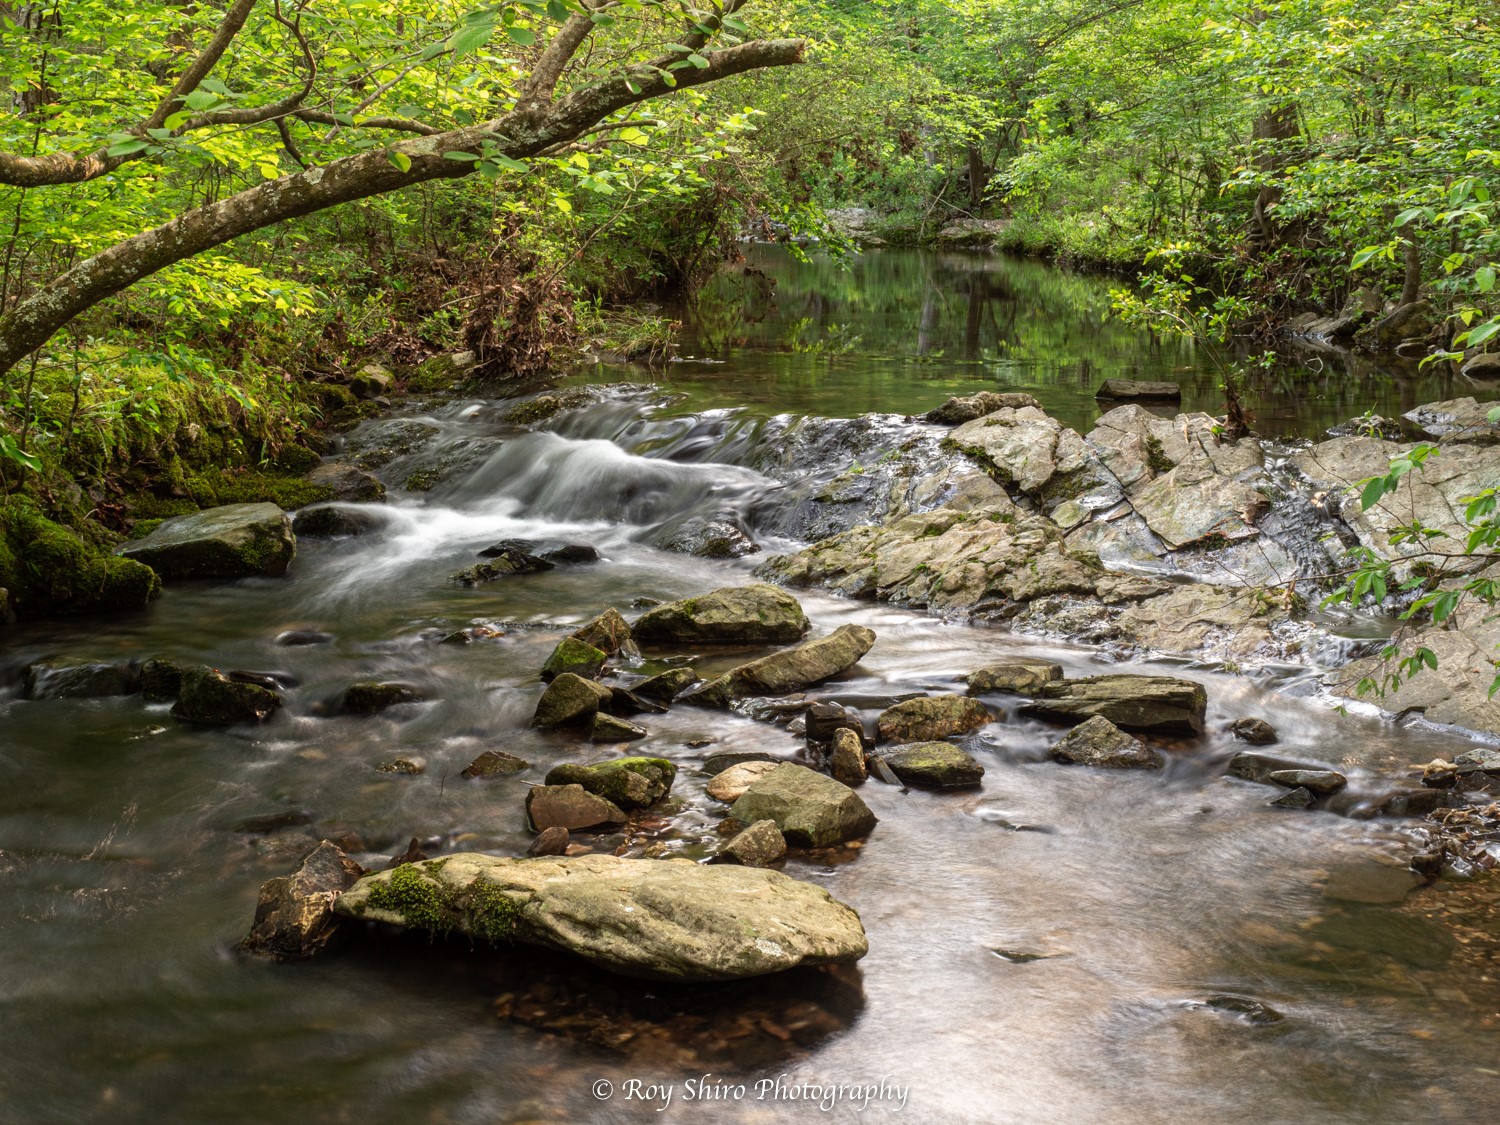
(1321, 782)
(806, 664)
(211, 698)
(610, 728)
(508, 562)
(1156, 704)
(1017, 677)
(930, 718)
(1248, 765)
(631, 783)
(757, 614)
(408, 766)
(294, 917)
(374, 696)
(760, 845)
(1295, 799)
(1257, 732)
(638, 917)
(69, 678)
(494, 763)
(934, 765)
(666, 686)
(1098, 742)
(570, 806)
(811, 809)
(570, 700)
(575, 656)
(234, 541)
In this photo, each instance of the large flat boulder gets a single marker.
(1158, 704)
(802, 666)
(934, 765)
(756, 614)
(810, 808)
(235, 541)
(657, 919)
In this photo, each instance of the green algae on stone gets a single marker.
(575, 656)
(627, 782)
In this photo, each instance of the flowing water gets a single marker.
(1042, 949)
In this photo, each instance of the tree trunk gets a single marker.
(526, 131)
(1411, 284)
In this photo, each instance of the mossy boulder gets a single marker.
(934, 765)
(756, 614)
(161, 680)
(348, 482)
(70, 678)
(1015, 677)
(235, 541)
(631, 783)
(792, 669)
(575, 656)
(48, 569)
(637, 917)
(508, 563)
(570, 700)
(209, 697)
(931, 717)
(570, 806)
(374, 696)
(1098, 742)
(1156, 704)
(811, 809)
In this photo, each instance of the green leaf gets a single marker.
(1374, 489)
(557, 10)
(400, 160)
(1484, 277)
(468, 157)
(698, 60)
(1363, 256)
(511, 165)
(523, 36)
(1409, 214)
(127, 148)
(1476, 336)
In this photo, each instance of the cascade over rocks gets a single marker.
(234, 541)
(757, 614)
(638, 917)
(807, 664)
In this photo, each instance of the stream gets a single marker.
(1044, 948)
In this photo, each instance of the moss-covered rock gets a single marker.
(570, 700)
(934, 765)
(234, 541)
(575, 656)
(612, 728)
(629, 782)
(637, 917)
(347, 482)
(666, 686)
(755, 614)
(1098, 742)
(209, 697)
(49, 569)
(161, 680)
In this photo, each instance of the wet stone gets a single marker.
(931, 717)
(610, 728)
(811, 809)
(570, 700)
(294, 917)
(375, 696)
(759, 845)
(573, 655)
(825, 720)
(334, 521)
(1251, 766)
(508, 563)
(717, 763)
(609, 633)
(1257, 732)
(409, 766)
(1298, 798)
(934, 765)
(1098, 742)
(161, 680)
(1250, 1010)
(666, 686)
(210, 698)
(756, 614)
(570, 806)
(296, 638)
(1016, 677)
(1155, 704)
(551, 841)
(847, 759)
(732, 784)
(631, 783)
(494, 763)
(79, 679)
(1321, 782)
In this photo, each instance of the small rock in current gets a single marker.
(608, 728)
(1321, 782)
(1098, 742)
(1298, 798)
(760, 845)
(493, 763)
(570, 806)
(847, 760)
(411, 766)
(1257, 732)
(551, 841)
(731, 785)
